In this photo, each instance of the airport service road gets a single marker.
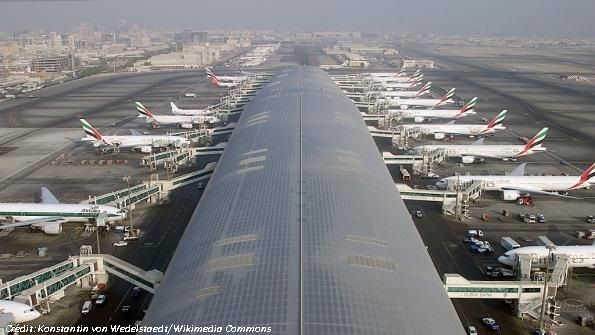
(442, 236)
(164, 226)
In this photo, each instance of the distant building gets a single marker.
(418, 63)
(188, 36)
(51, 63)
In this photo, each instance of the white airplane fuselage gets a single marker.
(459, 129)
(390, 79)
(20, 312)
(400, 94)
(182, 119)
(419, 102)
(134, 141)
(580, 256)
(429, 113)
(489, 150)
(69, 212)
(497, 183)
(404, 85)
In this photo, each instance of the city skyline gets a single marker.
(509, 18)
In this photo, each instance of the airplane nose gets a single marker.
(441, 185)
(504, 260)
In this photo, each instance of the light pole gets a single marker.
(550, 248)
(127, 180)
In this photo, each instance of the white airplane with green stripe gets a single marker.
(49, 215)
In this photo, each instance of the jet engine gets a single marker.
(467, 159)
(146, 149)
(439, 136)
(186, 125)
(52, 228)
(418, 119)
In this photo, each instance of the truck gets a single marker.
(508, 243)
(190, 95)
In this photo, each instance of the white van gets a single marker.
(86, 307)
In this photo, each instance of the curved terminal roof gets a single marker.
(301, 229)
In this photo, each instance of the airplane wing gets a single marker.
(537, 191)
(481, 154)
(451, 122)
(519, 170)
(47, 197)
(135, 132)
(479, 141)
(46, 219)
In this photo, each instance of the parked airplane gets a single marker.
(178, 111)
(218, 84)
(400, 73)
(225, 78)
(183, 121)
(142, 143)
(424, 102)
(20, 312)
(441, 130)
(468, 152)
(335, 66)
(420, 115)
(580, 256)
(49, 215)
(401, 85)
(400, 77)
(516, 183)
(404, 94)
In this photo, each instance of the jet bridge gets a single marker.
(85, 270)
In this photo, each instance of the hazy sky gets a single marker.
(502, 17)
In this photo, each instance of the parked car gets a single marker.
(136, 291)
(100, 300)
(490, 323)
(528, 218)
(591, 219)
(419, 214)
(541, 218)
(86, 307)
(120, 244)
(472, 331)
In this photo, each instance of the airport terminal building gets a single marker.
(301, 229)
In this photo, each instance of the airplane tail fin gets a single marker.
(214, 81)
(413, 76)
(424, 89)
(174, 108)
(585, 177)
(401, 73)
(497, 120)
(467, 107)
(143, 111)
(90, 131)
(417, 81)
(414, 80)
(209, 72)
(446, 97)
(535, 142)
